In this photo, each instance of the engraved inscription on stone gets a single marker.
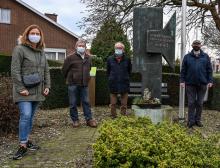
(161, 40)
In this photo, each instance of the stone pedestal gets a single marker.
(156, 115)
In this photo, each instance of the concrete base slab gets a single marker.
(156, 115)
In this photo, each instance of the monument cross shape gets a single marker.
(150, 41)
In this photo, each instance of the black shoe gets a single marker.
(199, 124)
(20, 153)
(31, 146)
(190, 125)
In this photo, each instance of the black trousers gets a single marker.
(195, 96)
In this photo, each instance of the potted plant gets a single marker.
(147, 101)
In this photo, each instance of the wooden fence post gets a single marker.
(92, 91)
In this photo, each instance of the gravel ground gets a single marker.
(50, 126)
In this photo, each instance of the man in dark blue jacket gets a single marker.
(196, 76)
(118, 72)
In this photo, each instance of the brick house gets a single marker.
(15, 16)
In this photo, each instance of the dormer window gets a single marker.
(5, 16)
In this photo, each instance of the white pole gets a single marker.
(183, 52)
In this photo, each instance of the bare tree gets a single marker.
(100, 10)
(211, 35)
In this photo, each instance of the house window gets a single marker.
(55, 54)
(50, 55)
(5, 16)
(61, 56)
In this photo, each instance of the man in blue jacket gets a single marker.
(196, 76)
(118, 72)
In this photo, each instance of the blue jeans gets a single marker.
(74, 91)
(27, 110)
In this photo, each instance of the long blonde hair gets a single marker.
(24, 38)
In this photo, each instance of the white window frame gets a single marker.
(9, 19)
(56, 50)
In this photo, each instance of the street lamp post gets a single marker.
(183, 52)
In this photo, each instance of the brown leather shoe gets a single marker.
(113, 110)
(75, 124)
(91, 123)
(124, 110)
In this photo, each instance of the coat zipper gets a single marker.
(82, 73)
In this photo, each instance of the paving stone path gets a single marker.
(61, 144)
(61, 151)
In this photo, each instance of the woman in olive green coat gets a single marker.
(28, 58)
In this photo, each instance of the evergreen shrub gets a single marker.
(135, 142)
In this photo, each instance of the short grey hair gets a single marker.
(80, 41)
(120, 43)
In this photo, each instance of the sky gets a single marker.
(69, 11)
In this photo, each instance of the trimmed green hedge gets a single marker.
(102, 90)
(214, 94)
(53, 63)
(172, 81)
(5, 64)
(135, 142)
(58, 96)
(167, 69)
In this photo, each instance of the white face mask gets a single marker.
(118, 52)
(80, 50)
(34, 38)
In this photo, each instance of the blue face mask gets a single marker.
(118, 52)
(34, 38)
(80, 50)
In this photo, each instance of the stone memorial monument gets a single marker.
(150, 42)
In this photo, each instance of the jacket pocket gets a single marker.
(32, 91)
(76, 77)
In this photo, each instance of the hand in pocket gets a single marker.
(24, 93)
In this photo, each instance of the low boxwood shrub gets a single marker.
(136, 142)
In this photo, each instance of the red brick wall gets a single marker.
(21, 17)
